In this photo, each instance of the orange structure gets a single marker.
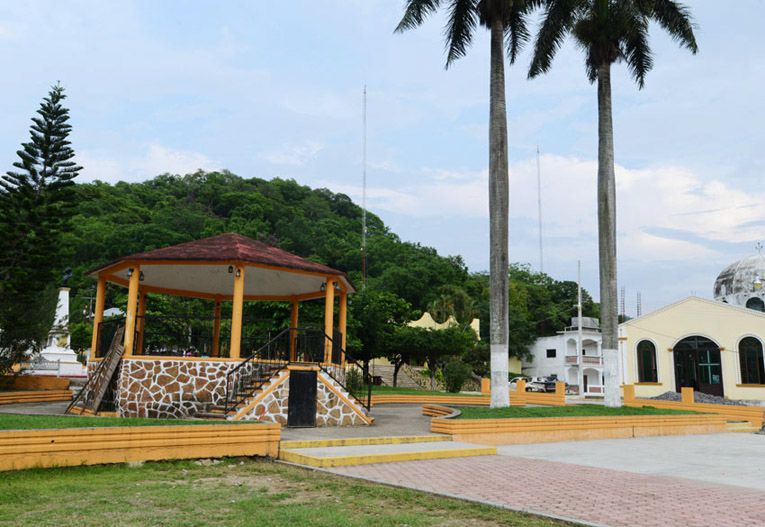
(217, 366)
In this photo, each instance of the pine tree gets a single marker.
(35, 210)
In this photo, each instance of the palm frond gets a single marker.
(637, 52)
(676, 20)
(415, 13)
(516, 33)
(459, 28)
(558, 19)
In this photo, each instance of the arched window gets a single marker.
(646, 355)
(752, 366)
(755, 303)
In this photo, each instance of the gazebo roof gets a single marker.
(200, 268)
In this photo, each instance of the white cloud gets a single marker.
(156, 159)
(293, 154)
(664, 213)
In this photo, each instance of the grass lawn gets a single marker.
(30, 422)
(582, 410)
(231, 492)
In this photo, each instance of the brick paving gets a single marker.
(588, 494)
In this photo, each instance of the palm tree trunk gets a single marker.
(609, 322)
(499, 197)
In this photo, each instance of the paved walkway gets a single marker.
(390, 420)
(593, 494)
(49, 408)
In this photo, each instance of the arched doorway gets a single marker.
(697, 365)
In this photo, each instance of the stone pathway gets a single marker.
(579, 493)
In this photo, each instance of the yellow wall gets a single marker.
(726, 325)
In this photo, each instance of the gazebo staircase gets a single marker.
(254, 377)
(91, 396)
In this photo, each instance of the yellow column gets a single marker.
(132, 305)
(236, 313)
(216, 331)
(98, 314)
(343, 321)
(329, 318)
(293, 330)
(141, 322)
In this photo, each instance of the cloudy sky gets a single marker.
(273, 89)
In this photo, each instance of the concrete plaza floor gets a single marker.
(730, 459)
(390, 420)
(708, 480)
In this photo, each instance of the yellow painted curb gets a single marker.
(355, 441)
(344, 461)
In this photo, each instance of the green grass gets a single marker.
(232, 492)
(31, 422)
(583, 410)
(390, 390)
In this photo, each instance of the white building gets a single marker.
(579, 366)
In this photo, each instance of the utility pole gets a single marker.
(580, 366)
(364, 193)
(539, 209)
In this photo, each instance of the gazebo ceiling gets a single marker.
(201, 268)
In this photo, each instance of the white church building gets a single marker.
(715, 346)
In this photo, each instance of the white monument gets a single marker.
(57, 357)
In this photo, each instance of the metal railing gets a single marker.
(105, 333)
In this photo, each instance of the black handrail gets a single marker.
(366, 378)
(261, 365)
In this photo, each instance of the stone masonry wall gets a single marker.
(331, 410)
(170, 388)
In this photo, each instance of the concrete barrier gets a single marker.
(518, 397)
(40, 396)
(21, 449)
(755, 415)
(549, 429)
(33, 382)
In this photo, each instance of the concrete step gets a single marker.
(356, 441)
(743, 427)
(382, 452)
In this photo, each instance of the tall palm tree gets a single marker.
(609, 31)
(507, 22)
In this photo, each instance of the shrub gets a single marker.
(354, 380)
(456, 373)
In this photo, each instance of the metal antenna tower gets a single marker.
(639, 304)
(539, 209)
(364, 193)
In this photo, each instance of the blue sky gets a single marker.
(273, 89)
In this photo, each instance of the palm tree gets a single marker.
(507, 22)
(609, 31)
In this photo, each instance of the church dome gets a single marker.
(741, 283)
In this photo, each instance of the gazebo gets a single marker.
(216, 367)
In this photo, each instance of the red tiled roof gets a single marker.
(225, 247)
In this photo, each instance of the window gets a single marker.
(755, 303)
(551, 354)
(752, 366)
(646, 356)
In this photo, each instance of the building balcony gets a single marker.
(575, 360)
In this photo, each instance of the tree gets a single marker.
(507, 22)
(374, 317)
(437, 346)
(402, 345)
(609, 31)
(35, 209)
